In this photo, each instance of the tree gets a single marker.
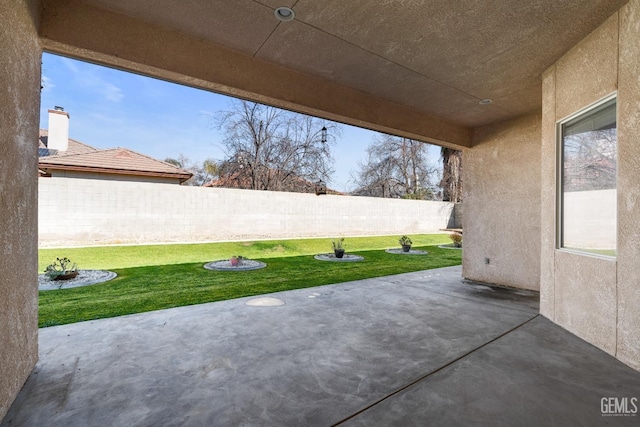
(181, 162)
(272, 149)
(202, 173)
(451, 182)
(395, 167)
(589, 160)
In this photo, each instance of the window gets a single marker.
(588, 195)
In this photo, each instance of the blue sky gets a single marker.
(110, 108)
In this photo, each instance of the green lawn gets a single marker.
(110, 257)
(607, 252)
(153, 287)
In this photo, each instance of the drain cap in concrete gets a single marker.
(265, 302)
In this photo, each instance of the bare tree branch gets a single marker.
(202, 173)
(395, 167)
(590, 160)
(272, 149)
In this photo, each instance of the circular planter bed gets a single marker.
(66, 276)
(82, 278)
(401, 251)
(449, 246)
(225, 265)
(332, 257)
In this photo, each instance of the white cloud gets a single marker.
(112, 92)
(88, 76)
(70, 64)
(111, 119)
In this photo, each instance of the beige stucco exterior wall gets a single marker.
(75, 211)
(628, 345)
(20, 100)
(597, 298)
(502, 204)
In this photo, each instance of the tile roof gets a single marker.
(75, 147)
(82, 157)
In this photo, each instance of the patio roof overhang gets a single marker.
(414, 69)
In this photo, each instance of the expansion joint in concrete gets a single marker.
(430, 373)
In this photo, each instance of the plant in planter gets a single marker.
(406, 243)
(338, 247)
(456, 238)
(61, 269)
(236, 260)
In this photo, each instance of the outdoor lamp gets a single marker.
(324, 134)
(321, 187)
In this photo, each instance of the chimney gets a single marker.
(58, 129)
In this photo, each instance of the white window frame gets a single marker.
(559, 176)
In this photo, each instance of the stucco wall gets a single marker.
(598, 299)
(628, 345)
(90, 211)
(458, 214)
(20, 100)
(502, 204)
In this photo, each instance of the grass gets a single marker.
(606, 252)
(153, 287)
(110, 257)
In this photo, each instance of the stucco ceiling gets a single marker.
(440, 56)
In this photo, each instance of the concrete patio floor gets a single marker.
(422, 348)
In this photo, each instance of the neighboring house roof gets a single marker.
(121, 161)
(75, 147)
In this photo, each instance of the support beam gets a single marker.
(73, 28)
(20, 100)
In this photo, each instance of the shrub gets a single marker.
(456, 238)
(237, 260)
(59, 267)
(338, 243)
(405, 240)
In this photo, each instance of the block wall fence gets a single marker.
(74, 211)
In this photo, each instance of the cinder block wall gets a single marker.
(20, 101)
(593, 224)
(458, 213)
(90, 211)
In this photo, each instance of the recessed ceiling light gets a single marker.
(284, 14)
(485, 101)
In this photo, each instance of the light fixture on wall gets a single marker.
(485, 101)
(321, 187)
(284, 14)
